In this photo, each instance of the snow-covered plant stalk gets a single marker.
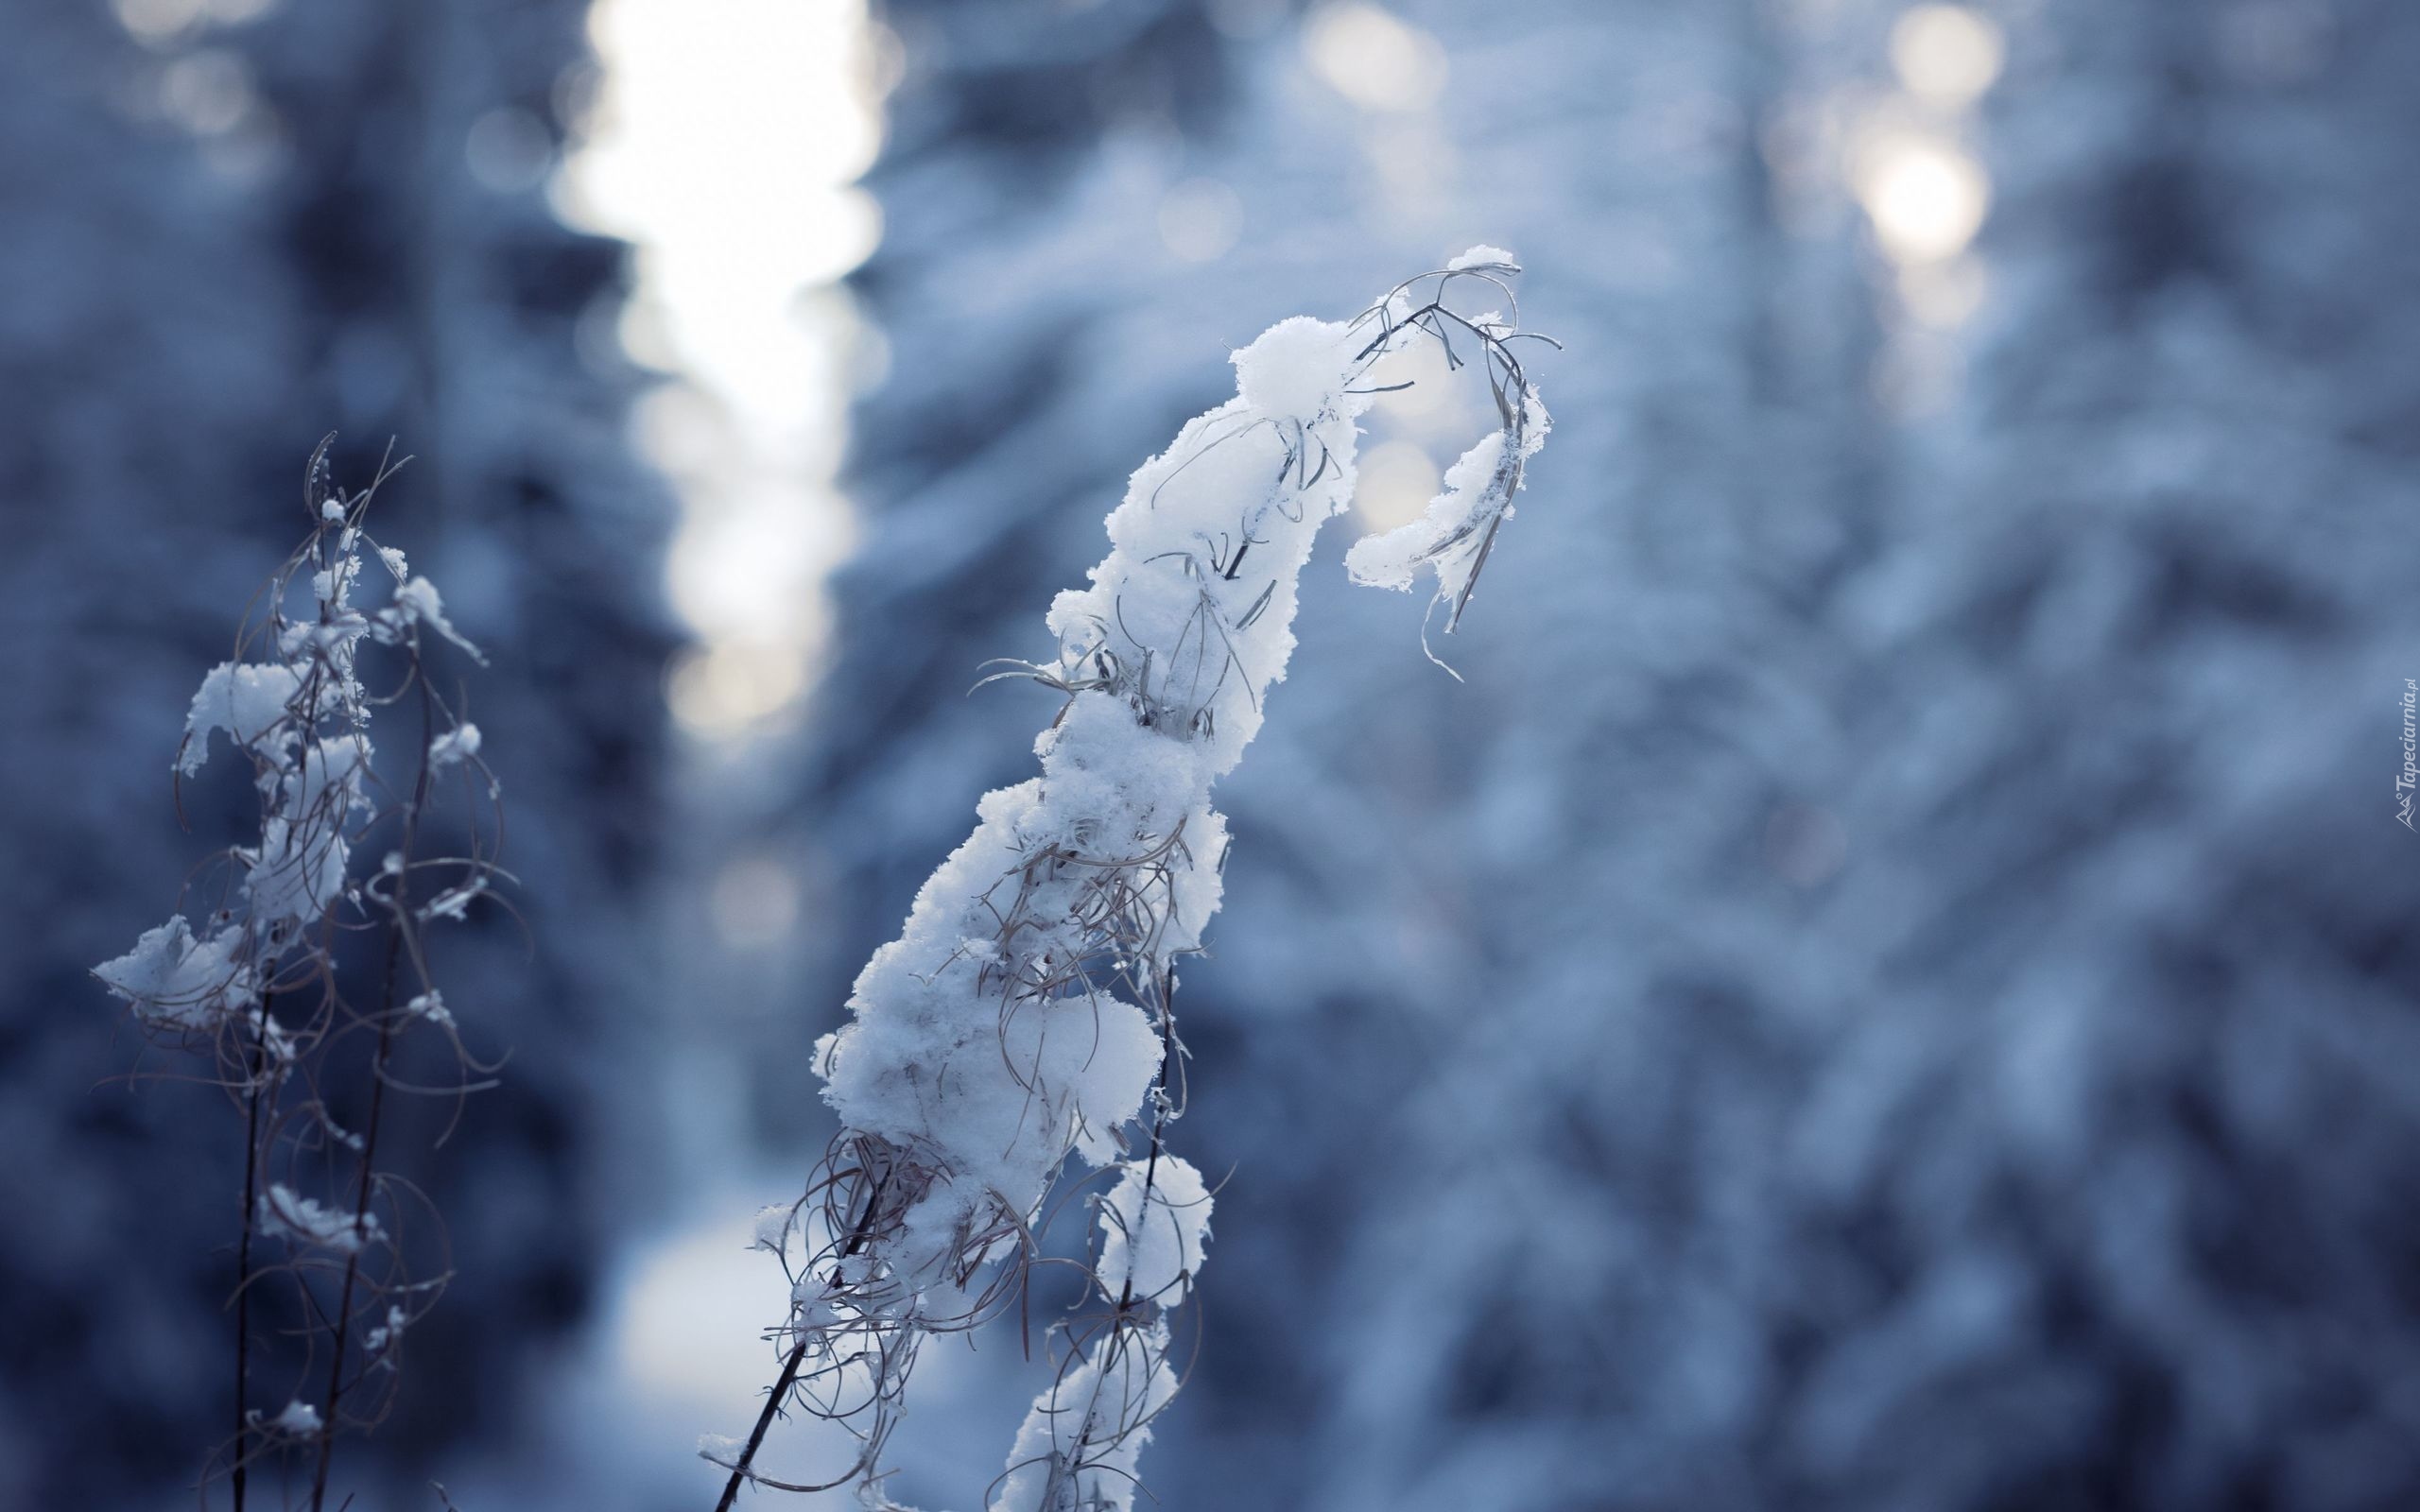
(1027, 1011)
(254, 983)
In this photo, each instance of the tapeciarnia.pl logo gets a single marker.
(2409, 777)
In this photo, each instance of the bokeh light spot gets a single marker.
(1374, 58)
(1947, 55)
(1397, 481)
(1926, 197)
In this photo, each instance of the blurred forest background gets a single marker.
(1890, 986)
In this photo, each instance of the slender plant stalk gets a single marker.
(289, 703)
(401, 905)
(244, 1260)
(1169, 1050)
(763, 1420)
(739, 1471)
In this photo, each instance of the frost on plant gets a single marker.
(1027, 1010)
(245, 971)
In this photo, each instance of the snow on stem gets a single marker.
(1027, 1010)
(256, 985)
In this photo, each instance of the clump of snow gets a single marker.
(173, 979)
(1453, 534)
(774, 1225)
(454, 902)
(1485, 256)
(1390, 560)
(1292, 369)
(1080, 1441)
(298, 1419)
(1151, 1241)
(1190, 617)
(284, 1213)
(417, 602)
(457, 744)
(382, 1341)
(1452, 537)
(249, 702)
(298, 872)
(1000, 1101)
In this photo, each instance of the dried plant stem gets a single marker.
(1169, 1050)
(292, 706)
(740, 1473)
(240, 1472)
(399, 922)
